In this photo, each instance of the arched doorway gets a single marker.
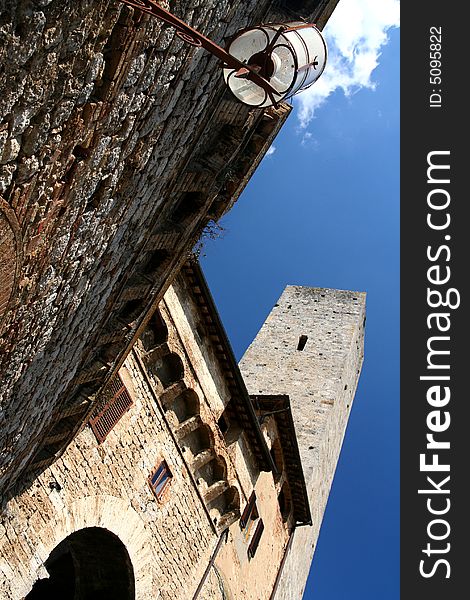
(90, 564)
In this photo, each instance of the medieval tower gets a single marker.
(311, 349)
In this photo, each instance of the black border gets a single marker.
(425, 129)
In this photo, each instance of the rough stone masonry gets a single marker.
(107, 122)
(101, 108)
(310, 347)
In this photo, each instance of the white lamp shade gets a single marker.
(294, 61)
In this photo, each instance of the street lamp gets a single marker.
(291, 57)
(262, 65)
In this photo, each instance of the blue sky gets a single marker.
(323, 210)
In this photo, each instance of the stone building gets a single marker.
(118, 143)
(136, 458)
(189, 480)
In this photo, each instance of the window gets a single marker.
(159, 479)
(248, 513)
(115, 403)
(256, 538)
(302, 341)
(251, 525)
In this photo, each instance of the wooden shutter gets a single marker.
(256, 538)
(248, 510)
(117, 403)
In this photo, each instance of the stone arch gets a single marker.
(188, 205)
(199, 440)
(112, 514)
(88, 564)
(157, 260)
(156, 332)
(169, 369)
(131, 309)
(212, 471)
(185, 406)
(224, 509)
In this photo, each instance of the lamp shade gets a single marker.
(291, 57)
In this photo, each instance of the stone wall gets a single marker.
(117, 144)
(106, 486)
(108, 124)
(313, 341)
(178, 394)
(213, 474)
(235, 574)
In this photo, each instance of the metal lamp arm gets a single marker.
(193, 37)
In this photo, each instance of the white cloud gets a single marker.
(309, 141)
(271, 150)
(355, 33)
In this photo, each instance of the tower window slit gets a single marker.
(302, 341)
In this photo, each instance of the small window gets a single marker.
(116, 402)
(248, 513)
(302, 341)
(251, 525)
(256, 538)
(159, 479)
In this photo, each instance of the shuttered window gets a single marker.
(251, 525)
(115, 404)
(248, 515)
(159, 479)
(256, 538)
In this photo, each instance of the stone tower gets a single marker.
(310, 348)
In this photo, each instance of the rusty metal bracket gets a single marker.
(195, 38)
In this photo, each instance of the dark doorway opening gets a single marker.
(89, 564)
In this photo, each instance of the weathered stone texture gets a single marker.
(321, 381)
(117, 144)
(11, 253)
(101, 107)
(106, 486)
(169, 542)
